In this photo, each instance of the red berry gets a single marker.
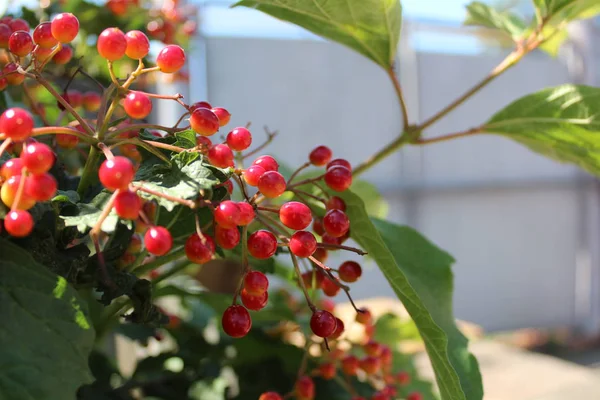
(364, 317)
(246, 213)
(303, 244)
(338, 178)
(386, 355)
(371, 365)
(254, 302)
(320, 156)
(19, 24)
(227, 238)
(236, 321)
(221, 156)
(380, 396)
(135, 244)
(20, 43)
(203, 142)
(40, 187)
(272, 184)
(66, 141)
(37, 158)
(327, 305)
(204, 122)
(256, 283)
(91, 101)
(327, 370)
(199, 250)
(336, 223)
(227, 214)
(330, 288)
(321, 254)
(270, 396)
(339, 162)
(18, 223)
(137, 105)
(8, 193)
(42, 36)
(335, 203)
(116, 173)
(158, 240)
(373, 348)
(305, 388)
(128, 205)
(339, 329)
(12, 76)
(138, 45)
(16, 124)
(3, 84)
(223, 115)
(12, 167)
(200, 104)
(65, 27)
(262, 244)
(75, 98)
(63, 56)
(318, 226)
(252, 174)
(267, 162)
(403, 378)
(239, 139)
(414, 396)
(5, 33)
(112, 44)
(295, 215)
(350, 365)
(170, 59)
(350, 271)
(390, 391)
(328, 239)
(322, 323)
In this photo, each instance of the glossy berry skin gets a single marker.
(40, 187)
(303, 244)
(138, 45)
(350, 271)
(272, 184)
(350, 365)
(65, 27)
(16, 124)
(158, 240)
(336, 223)
(137, 105)
(63, 56)
(330, 288)
(246, 213)
(116, 173)
(267, 162)
(239, 139)
(112, 44)
(20, 43)
(227, 238)
(252, 174)
(318, 226)
(203, 142)
(339, 162)
(5, 33)
(37, 158)
(12, 76)
(262, 244)
(128, 205)
(170, 59)
(200, 104)
(221, 156)
(199, 250)
(295, 215)
(254, 302)
(338, 178)
(223, 115)
(236, 321)
(18, 223)
(19, 24)
(320, 156)
(322, 323)
(364, 317)
(270, 396)
(227, 214)
(339, 329)
(204, 122)
(304, 388)
(8, 193)
(256, 283)
(414, 396)
(327, 370)
(335, 203)
(12, 167)
(371, 365)
(321, 254)
(42, 36)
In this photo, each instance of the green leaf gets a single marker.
(562, 123)
(420, 274)
(370, 27)
(555, 40)
(391, 329)
(567, 10)
(186, 139)
(480, 14)
(375, 203)
(46, 336)
(89, 214)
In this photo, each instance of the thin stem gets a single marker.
(4, 145)
(302, 192)
(20, 189)
(296, 172)
(270, 137)
(54, 130)
(301, 283)
(188, 203)
(385, 151)
(107, 153)
(305, 181)
(111, 72)
(138, 127)
(269, 209)
(242, 186)
(164, 146)
(342, 247)
(443, 138)
(400, 95)
(107, 208)
(346, 385)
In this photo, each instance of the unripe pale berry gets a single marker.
(65, 27)
(8, 193)
(138, 45)
(112, 44)
(170, 59)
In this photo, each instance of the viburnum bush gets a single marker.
(105, 212)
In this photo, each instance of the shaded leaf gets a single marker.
(370, 27)
(567, 10)
(480, 14)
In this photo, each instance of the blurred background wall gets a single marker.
(525, 231)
